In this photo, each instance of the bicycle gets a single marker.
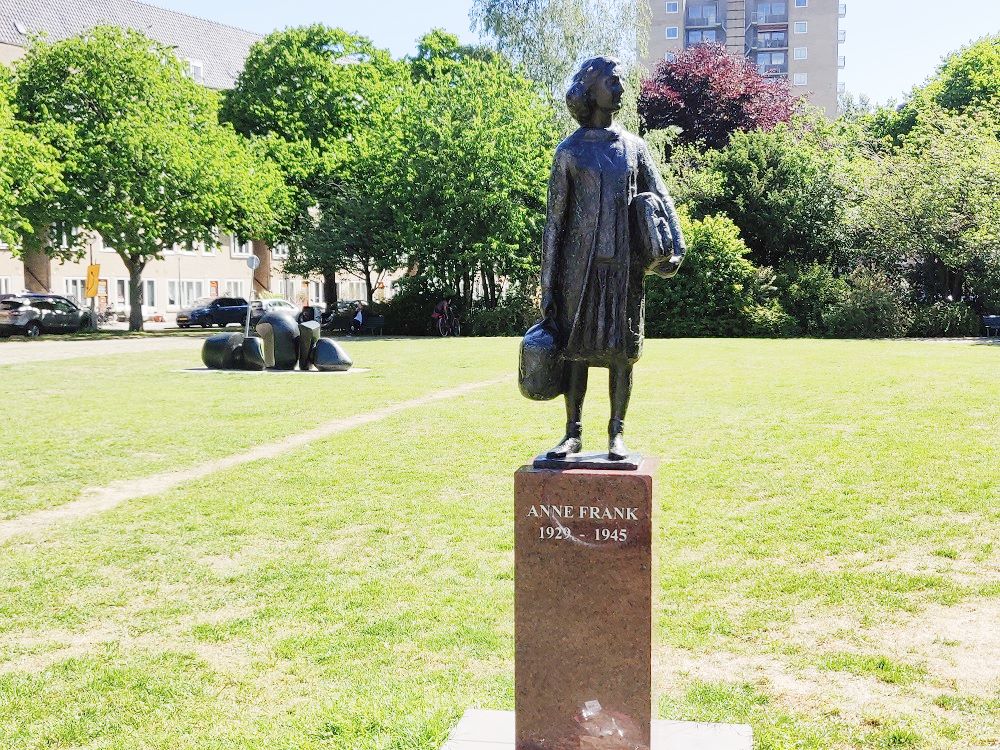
(447, 325)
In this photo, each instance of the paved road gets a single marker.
(50, 349)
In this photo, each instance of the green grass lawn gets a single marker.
(828, 561)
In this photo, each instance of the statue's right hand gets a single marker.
(548, 304)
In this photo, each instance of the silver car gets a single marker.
(32, 315)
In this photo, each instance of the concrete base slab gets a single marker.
(494, 730)
(207, 371)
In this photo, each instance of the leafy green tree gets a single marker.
(548, 39)
(969, 78)
(146, 163)
(30, 173)
(781, 188)
(931, 208)
(322, 100)
(479, 141)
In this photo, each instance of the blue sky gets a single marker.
(891, 44)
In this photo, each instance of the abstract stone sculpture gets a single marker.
(610, 221)
(329, 356)
(253, 354)
(308, 336)
(282, 344)
(281, 341)
(223, 351)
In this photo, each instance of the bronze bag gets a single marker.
(651, 232)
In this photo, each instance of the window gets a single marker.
(770, 58)
(801, 53)
(772, 39)
(242, 249)
(801, 79)
(801, 27)
(673, 32)
(670, 56)
(316, 293)
(75, 289)
(149, 293)
(701, 37)
(673, 7)
(279, 251)
(801, 3)
(121, 291)
(184, 293)
(4, 284)
(4, 245)
(235, 288)
(195, 70)
(841, 62)
(102, 246)
(703, 15)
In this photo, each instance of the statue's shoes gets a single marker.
(567, 447)
(616, 448)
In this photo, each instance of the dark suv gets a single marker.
(220, 311)
(34, 314)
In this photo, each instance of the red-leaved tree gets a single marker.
(709, 94)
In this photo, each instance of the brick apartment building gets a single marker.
(214, 54)
(794, 39)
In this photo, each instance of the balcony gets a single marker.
(768, 18)
(842, 10)
(769, 44)
(773, 71)
(704, 17)
(841, 36)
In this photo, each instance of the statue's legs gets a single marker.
(576, 390)
(620, 390)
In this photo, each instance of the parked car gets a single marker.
(220, 311)
(32, 315)
(259, 307)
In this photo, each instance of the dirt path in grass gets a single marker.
(51, 350)
(99, 499)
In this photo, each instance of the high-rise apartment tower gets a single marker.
(794, 39)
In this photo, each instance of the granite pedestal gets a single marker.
(583, 608)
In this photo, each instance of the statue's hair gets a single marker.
(578, 98)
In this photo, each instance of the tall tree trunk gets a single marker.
(369, 285)
(135, 267)
(330, 290)
(36, 262)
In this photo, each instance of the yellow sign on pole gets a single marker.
(93, 277)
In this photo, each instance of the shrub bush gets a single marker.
(808, 293)
(408, 313)
(716, 292)
(510, 318)
(875, 306)
(945, 319)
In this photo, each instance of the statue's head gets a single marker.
(597, 86)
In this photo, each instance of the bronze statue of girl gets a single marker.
(593, 260)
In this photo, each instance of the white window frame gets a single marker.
(801, 3)
(121, 292)
(279, 252)
(801, 27)
(75, 287)
(149, 293)
(673, 32)
(675, 5)
(241, 249)
(195, 286)
(195, 69)
(234, 288)
(800, 53)
(316, 293)
(800, 79)
(4, 284)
